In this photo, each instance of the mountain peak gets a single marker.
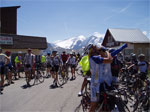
(80, 41)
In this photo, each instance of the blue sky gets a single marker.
(62, 19)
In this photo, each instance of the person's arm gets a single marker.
(7, 58)
(119, 49)
(98, 59)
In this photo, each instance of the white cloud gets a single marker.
(125, 8)
(145, 32)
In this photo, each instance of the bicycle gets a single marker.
(39, 74)
(62, 76)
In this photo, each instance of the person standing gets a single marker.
(56, 62)
(3, 61)
(29, 62)
(72, 62)
(18, 64)
(9, 68)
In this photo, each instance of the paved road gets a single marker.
(40, 98)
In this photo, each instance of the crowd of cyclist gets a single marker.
(104, 66)
(51, 62)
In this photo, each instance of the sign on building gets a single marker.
(6, 40)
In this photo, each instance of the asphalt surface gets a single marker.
(41, 98)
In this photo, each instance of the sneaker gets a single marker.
(1, 88)
(12, 82)
(56, 85)
(28, 85)
(52, 86)
(71, 78)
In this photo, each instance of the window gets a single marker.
(147, 51)
(139, 51)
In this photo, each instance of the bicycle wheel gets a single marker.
(40, 76)
(122, 107)
(85, 101)
(32, 80)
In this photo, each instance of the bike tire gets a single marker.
(61, 80)
(40, 76)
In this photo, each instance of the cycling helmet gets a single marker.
(54, 51)
(88, 47)
(48, 53)
(141, 56)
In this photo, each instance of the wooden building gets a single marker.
(10, 40)
(138, 42)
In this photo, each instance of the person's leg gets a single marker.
(83, 86)
(74, 72)
(71, 73)
(93, 106)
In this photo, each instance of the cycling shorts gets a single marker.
(48, 65)
(55, 68)
(27, 67)
(94, 92)
(73, 66)
(2, 70)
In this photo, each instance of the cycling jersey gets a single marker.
(56, 61)
(2, 63)
(48, 59)
(43, 59)
(71, 61)
(18, 60)
(64, 57)
(115, 66)
(2, 59)
(29, 59)
(143, 66)
(84, 63)
(102, 70)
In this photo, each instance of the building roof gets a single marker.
(24, 42)
(10, 7)
(129, 35)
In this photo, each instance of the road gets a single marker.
(41, 98)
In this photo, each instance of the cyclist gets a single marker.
(3, 60)
(143, 66)
(133, 64)
(18, 64)
(48, 63)
(29, 61)
(100, 68)
(56, 62)
(72, 62)
(97, 73)
(9, 68)
(116, 65)
(64, 58)
(43, 61)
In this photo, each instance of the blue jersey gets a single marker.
(143, 66)
(100, 72)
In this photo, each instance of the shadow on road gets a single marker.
(25, 86)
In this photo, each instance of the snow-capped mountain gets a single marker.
(74, 44)
(80, 41)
